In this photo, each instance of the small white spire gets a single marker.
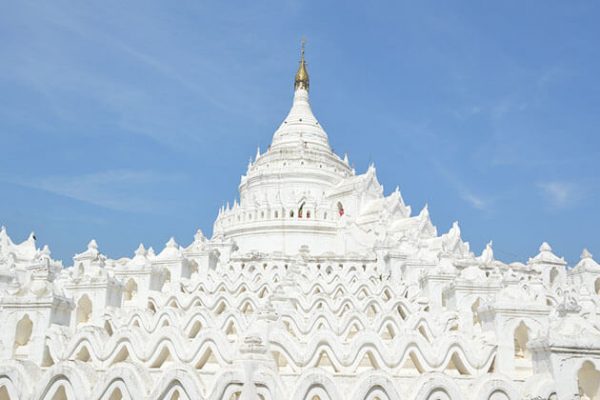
(140, 251)
(257, 153)
(545, 247)
(45, 251)
(487, 255)
(585, 254)
(199, 236)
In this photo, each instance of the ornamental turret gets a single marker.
(283, 195)
(302, 80)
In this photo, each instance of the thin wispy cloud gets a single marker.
(467, 111)
(506, 106)
(50, 64)
(473, 199)
(559, 194)
(552, 75)
(120, 190)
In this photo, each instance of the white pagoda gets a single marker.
(315, 285)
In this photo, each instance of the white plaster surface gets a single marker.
(314, 285)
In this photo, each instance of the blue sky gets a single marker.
(132, 121)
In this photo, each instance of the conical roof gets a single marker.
(301, 127)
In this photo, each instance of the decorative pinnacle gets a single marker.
(586, 254)
(545, 247)
(301, 81)
(171, 243)
(141, 250)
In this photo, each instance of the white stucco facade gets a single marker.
(315, 285)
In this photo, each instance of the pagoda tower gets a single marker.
(315, 285)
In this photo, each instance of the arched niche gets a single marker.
(499, 395)
(553, 276)
(7, 393)
(301, 210)
(4, 393)
(116, 394)
(340, 208)
(522, 355)
(60, 394)
(130, 289)
(83, 312)
(588, 381)
(439, 394)
(193, 268)
(23, 333)
(436, 386)
(317, 393)
(475, 314)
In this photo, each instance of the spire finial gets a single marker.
(301, 81)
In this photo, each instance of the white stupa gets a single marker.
(314, 286)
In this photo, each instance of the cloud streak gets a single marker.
(120, 190)
(167, 98)
(559, 194)
(474, 200)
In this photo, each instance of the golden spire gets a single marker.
(301, 80)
